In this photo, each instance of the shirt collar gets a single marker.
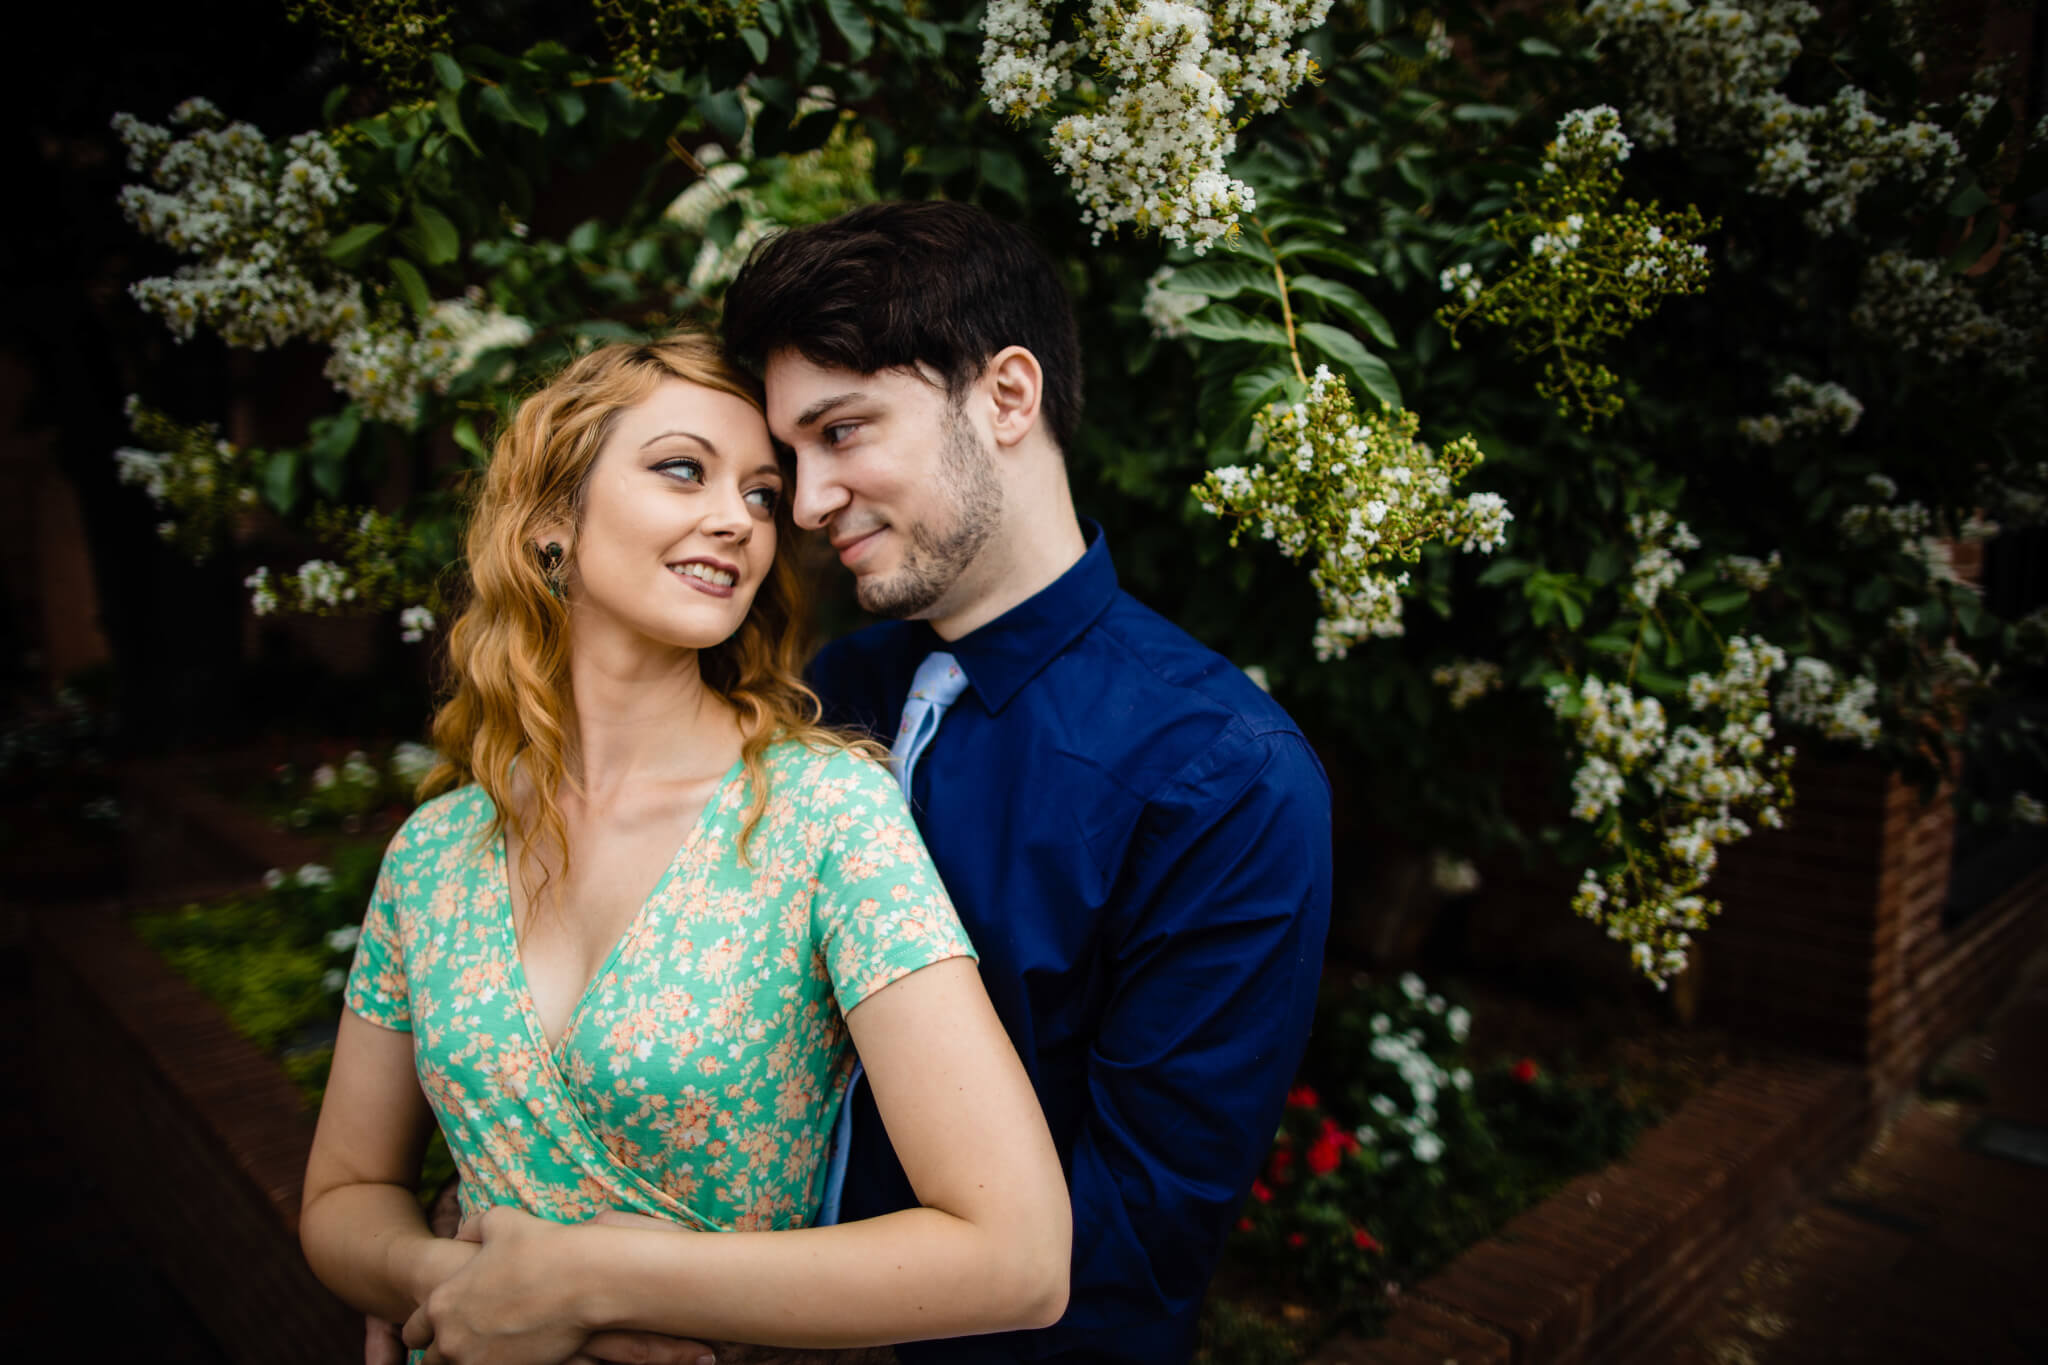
(1008, 652)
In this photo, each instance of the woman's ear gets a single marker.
(1015, 386)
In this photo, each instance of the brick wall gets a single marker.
(196, 1135)
(1831, 938)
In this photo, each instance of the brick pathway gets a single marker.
(1927, 1250)
(76, 1286)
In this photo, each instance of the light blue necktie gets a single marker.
(937, 684)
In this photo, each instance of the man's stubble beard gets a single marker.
(935, 560)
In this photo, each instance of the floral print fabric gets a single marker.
(698, 1077)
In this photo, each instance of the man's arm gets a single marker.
(1216, 957)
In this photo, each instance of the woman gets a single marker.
(626, 687)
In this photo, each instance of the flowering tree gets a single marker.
(1622, 376)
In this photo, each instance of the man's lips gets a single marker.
(853, 549)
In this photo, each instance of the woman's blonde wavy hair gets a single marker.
(509, 703)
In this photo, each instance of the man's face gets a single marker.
(895, 475)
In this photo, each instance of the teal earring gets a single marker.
(551, 565)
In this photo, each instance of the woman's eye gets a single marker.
(689, 470)
(764, 498)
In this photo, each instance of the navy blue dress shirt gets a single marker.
(1138, 840)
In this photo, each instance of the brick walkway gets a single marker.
(77, 1286)
(1927, 1249)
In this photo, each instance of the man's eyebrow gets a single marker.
(825, 405)
(686, 435)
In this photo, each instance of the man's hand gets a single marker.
(497, 1309)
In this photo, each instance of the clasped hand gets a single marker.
(507, 1306)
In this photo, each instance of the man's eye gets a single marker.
(689, 470)
(765, 498)
(837, 432)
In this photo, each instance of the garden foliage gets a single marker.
(1713, 328)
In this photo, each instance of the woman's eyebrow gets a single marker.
(771, 467)
(686, 435)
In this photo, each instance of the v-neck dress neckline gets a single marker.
(508, 924)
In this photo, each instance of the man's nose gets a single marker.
(818, 496)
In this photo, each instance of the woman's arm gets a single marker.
(987, 1252)
(362, 1230)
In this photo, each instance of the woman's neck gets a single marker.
(644, 715)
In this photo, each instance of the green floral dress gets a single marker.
(698, 1076)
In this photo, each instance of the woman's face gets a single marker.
(678, 525)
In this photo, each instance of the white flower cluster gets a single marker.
(1177, 78)
(1916, 305)
(1703, 782)
(1468, 679)
(385, 363)
(1462, 280)
(1826, 407)
(1816, 697)
(1168, 310)
(322, 583)
(263, 598)
(1885, 521)
(1713, 69)
(1427, 1080)
(254, 216)
(1354, 494)
(1753, 574)
(1839, 151)
(415, 623)
(2028, 810)
(411, 762)
(1657, 565)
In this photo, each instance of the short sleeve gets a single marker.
(879, 910)
(376, 988)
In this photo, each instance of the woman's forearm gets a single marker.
(909, 1275)
(370, 1244)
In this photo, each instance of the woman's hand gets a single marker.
(505, 1306)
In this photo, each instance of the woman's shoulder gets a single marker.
(826, 765)
(453, 815)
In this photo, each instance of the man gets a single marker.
(1136, 837)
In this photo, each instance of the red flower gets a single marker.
(1244, 1225)
(1261, 1192)
(1365, 1240)
(1524, 1070)
(1302, 1097)
(1282, 1165)
(1324, 1154)
(1296, 1239)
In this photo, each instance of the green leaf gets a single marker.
(570, 107)
(1611, 642)
(1721, 603)
(439, 242)
(1221, 322)
(1222, 280)
(1484, 113)
(1311, 249)
(757, 43)
(1347, 350)
(450, 109)
(327, 454)
(854, 26)
(330, 108)
(1968, 201)
(1347, 301)
(1539, 47)
(345, 248)
(583, 237)
(466, 437)
(1251, 391)
(281, 481)
(1002, 170)
(414, 286)
(1505, 571)
(1973, 249)
(450, 71)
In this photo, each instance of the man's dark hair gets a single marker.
(902, 284)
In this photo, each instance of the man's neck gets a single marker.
(1040, 540)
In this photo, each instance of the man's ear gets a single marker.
(1015, 385)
